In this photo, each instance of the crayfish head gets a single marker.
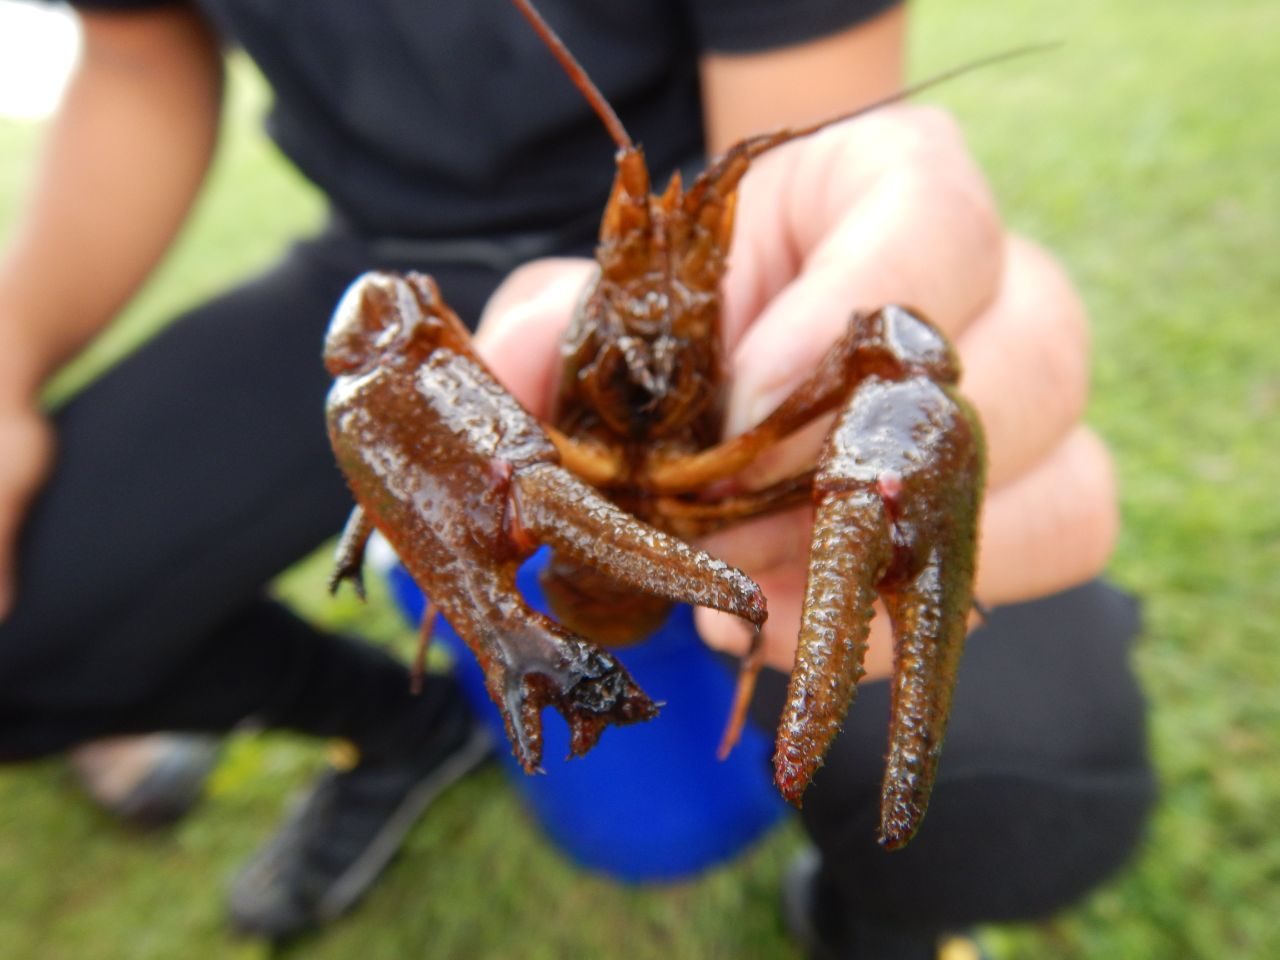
(644, 357)
(644, 352)
(388, 320)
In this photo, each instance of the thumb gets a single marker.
(522, 325)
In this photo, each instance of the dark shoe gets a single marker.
(341, 836)
(859, 940)
(146, 781)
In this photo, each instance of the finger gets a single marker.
(1026, 363)
(784, 589)
(793, 197)
(925, 233)
(774, 552)
(522, 325)
(1051, 529)
(765, 543)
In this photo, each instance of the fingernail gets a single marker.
(746, 414)
(722, 631)
(558, 296)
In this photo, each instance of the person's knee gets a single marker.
(1045, 779)
(998, 847)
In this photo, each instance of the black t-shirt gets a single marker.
(446, 118)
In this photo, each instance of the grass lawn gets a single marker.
(1146, 151)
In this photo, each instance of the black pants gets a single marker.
(187, 477)
(199, 468)
(1043, 787)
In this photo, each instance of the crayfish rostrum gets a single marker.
(465, 483)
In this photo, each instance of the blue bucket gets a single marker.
(650, 802)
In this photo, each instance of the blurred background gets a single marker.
(1145, 151)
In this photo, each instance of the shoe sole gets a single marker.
(360, 876)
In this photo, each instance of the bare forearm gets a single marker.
(123, 160)
(744, 94)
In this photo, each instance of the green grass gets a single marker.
(1144, 151)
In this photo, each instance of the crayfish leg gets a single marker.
(850, 552)
(696, 518)
(349, 556)
(827, 386)
(744, 690)
(426, 629)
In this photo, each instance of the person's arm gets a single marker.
(745, 94)
(887, 208)
(123, 160)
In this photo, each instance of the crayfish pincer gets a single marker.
(464, 482)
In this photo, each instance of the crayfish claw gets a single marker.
(589, 533)
(851, 549)
(538, 664)
(897, 489)
(930, 614)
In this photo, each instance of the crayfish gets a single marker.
(465, 483)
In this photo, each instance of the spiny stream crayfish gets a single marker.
(465, 483)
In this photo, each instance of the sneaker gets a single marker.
(341, 836)
(146, 781)
(799, 898)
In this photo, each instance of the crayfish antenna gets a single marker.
(579, 76)
(627, 211)
(722, 176)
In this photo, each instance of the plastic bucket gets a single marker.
(651, 801)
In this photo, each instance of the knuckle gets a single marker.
(1065, 335)
(961, 209)
(973, 208)
(721, 631)
(530, 273)
(1081, 535)
(1054, 529)
(937, 126)
(909, 130)
(950, 185)
(1098, 525)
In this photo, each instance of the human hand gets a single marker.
(26, 451)
(887, 208)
